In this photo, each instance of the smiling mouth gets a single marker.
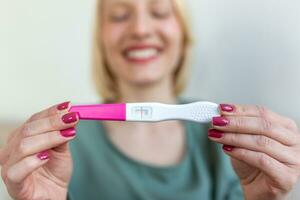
(142, 55)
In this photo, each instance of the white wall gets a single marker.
(247, 52)
(44, 54)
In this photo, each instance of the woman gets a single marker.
(140, 55)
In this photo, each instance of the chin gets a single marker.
(145, 80)
(148, 81)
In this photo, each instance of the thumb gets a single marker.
(242, 169)
(64, 148)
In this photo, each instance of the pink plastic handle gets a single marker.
(114, 112)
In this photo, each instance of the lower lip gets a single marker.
(142, 61)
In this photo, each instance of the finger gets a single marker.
(18, 172)
(53, 110)
(257, 143)
(256, 126)
(2, 156)
(62, 148)
(10, 143)
(13, 134)
(41, 142)
(46, 128)
(256, 111)
(244, 171)
(52, 123)
(62, 107)
(280, 174)
(19, 133)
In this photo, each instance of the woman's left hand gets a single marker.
(264, 148)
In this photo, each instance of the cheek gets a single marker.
(111, 36)
(173, 36)
(172, 32)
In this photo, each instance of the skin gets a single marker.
(266, 144)
(265, 153)
(128, 23)
(24, 174)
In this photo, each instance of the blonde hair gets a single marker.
(103, 78)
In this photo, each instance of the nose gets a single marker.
(141, 26)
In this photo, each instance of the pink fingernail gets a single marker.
(220, 121)
(43, 155)
(215, 133)
(70, 132)
(63, 106)
(227, 107)
(70, 118)
(228, 148)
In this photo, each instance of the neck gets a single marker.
(148, 142)
(159, 92)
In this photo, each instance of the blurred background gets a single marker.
(246, 52)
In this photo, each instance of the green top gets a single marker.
(102, 171)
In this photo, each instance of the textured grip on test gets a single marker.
(204, 112)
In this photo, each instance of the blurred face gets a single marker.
(142, 40)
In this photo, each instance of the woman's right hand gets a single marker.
(36, 161)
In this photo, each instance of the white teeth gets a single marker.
(142, 54)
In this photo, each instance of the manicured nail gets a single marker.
(228, 148)
(70, 132)
(43, 155)
(70, 118)
(220, 121)
(215, 133)
(63, 106)
(227, 107)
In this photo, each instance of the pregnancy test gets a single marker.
(201, 111)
